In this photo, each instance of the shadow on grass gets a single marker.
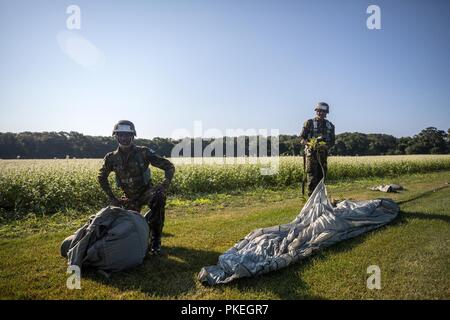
(174, 274)
(166, 276)
(288, 283)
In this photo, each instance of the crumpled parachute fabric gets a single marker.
(387, 188)
(318, 225)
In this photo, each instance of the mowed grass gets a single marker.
(413, 252)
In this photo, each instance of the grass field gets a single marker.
(413, 252)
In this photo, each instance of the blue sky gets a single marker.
(231, 64)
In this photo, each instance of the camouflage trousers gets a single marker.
(156, 201)
(313, 169)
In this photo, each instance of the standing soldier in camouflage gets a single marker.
(131, 163)
(318, 137)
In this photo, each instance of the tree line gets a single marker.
(48, 145)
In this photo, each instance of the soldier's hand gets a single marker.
(161, 189)
(129, 204)
(322, 145)
(123, 200)
(115, 202)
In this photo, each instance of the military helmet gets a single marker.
(124, 126)
(322, 106)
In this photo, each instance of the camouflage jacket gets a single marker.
(314, 128)
(132, 171)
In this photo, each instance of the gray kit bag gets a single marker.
(113, 240)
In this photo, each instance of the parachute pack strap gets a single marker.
(314, 129)
(140, 160)
(146, 174)
(118, 182)
(310, 131)
(328, 129)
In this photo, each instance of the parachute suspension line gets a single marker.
(320, 163)
(423, 194)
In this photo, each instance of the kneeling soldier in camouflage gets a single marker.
(131, 163)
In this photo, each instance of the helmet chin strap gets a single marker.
(125, 146)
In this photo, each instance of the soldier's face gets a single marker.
(125, 139)
(321, 114)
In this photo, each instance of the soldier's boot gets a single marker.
(155, 246)
(155, 235)
(156, 223)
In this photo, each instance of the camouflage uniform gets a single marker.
(133, 176)
(314, 128)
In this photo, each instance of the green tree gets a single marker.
(429, 140)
